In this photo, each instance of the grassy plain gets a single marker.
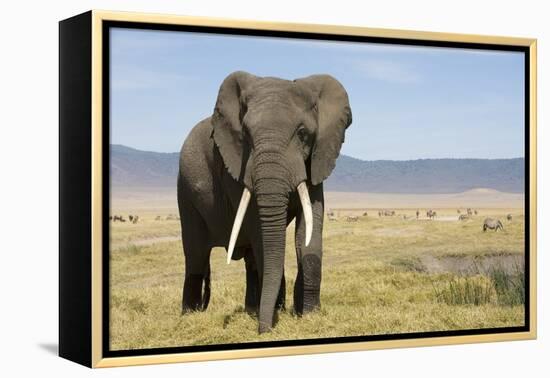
(380, 274)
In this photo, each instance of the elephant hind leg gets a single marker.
(281, 298)
(196, 248)
(206, 292)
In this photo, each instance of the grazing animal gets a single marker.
(389, 213)
(475, 212)
(458, 211)
(379, 213)
(135, 220)
(365, 214)
(469, 211)
(110, 217)
(509, 217)
(332, 218)
(158, 218)
(119, 218)
(131, 218)
(268, 146)
(417, 213)
(352, 218)
(431, 214)
(463, 217)
(492, 224)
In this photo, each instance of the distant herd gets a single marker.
(135, 218)
(488, 223)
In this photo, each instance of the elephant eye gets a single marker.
(302, 133)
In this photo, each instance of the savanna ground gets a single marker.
(380, 274)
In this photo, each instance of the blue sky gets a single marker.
(407, 102)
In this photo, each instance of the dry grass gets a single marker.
(378, 278)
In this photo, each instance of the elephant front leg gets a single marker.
(307, 288)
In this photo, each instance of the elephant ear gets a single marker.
(334, 116)
(227, 123)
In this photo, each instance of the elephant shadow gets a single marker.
(239, 310)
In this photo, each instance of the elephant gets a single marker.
(256, 164)
(492, 224)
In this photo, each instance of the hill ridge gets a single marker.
(131, 167)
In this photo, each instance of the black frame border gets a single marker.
(107, 25)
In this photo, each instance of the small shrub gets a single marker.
(510, 287)
(474, 290)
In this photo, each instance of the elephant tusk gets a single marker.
(306, 207)
(241, 211)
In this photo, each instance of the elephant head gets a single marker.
(277, 137)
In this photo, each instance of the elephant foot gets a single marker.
(311, 307)
(194, 299)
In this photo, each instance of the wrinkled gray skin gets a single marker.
(492, 224)
(268, 135)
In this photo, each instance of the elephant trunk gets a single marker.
(272, 196)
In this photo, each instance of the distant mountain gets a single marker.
(131, 167)
(427, 175)
(135, 168)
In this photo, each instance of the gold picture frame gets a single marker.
(82, 276)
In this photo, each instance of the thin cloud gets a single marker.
(387, 70)
(133, 78)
